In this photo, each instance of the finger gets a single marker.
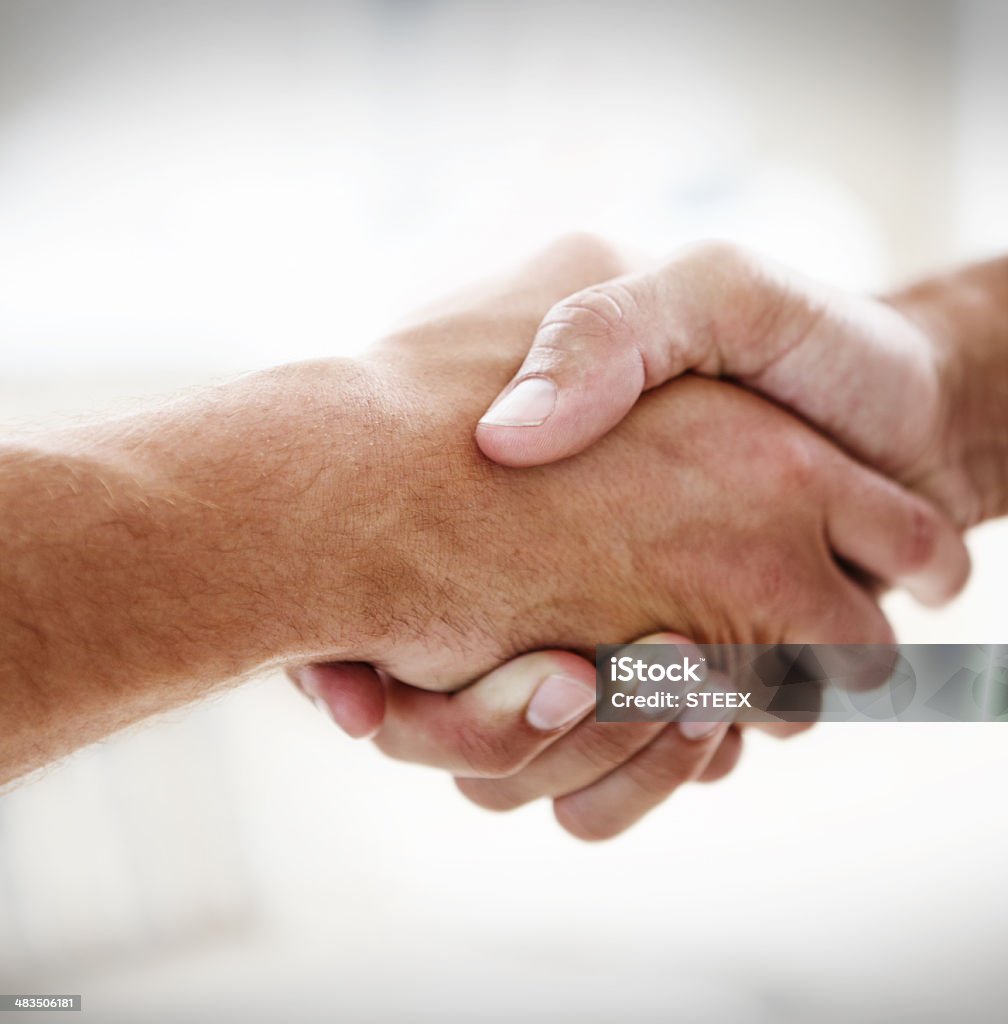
(719, 310)
(614, 803)
(350, 693)
(714, 309)
(836, 610)
(497, 724)
(586, 753)
(894, 535)
(781, 730)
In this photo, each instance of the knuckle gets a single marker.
(920, 539)
(597, 255)
(796, 462)
(756, 302)
(656, 782)
(485, 753)
(597, 313)
(669, 762)
(605, 746)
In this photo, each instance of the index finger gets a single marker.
(496, 725)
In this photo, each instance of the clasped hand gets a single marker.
(671, 508)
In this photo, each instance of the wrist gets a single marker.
(964, 314)
(282, 486)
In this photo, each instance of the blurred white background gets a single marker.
(193, 189)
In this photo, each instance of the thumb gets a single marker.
(584, 372)
(715, 309)
(598, 350)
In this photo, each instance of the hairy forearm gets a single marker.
(147, 560)
(966, 313)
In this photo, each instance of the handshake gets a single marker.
(684, 505)
(433, 538)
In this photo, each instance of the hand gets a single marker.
(339, 510)
(709, 511)
(899, 382)
(525, 732)
(356, 694)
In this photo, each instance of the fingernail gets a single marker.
(559, 701)
(528, 404)
(696, 730)
(700, 722)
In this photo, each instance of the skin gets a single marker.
(913, 383)
(600, 778)
(339, 510)
(604, 777)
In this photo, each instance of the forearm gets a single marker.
(965, 312)
(147, 560)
